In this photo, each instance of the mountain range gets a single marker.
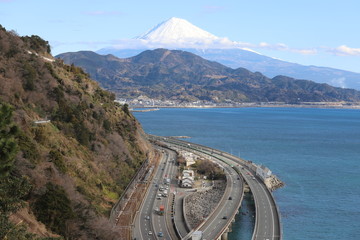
(183, 76)
(180, 34)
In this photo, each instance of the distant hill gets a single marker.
(179, 34)
(67, 150)
(180, 75)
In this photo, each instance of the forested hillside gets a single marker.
(183, 76)
(67, 150)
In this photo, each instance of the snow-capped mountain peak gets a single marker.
(177, 30)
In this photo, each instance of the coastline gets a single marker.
(256, 105)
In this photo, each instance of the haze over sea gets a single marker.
(316, 152)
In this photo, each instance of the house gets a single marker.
(189, 158)
(187, 178)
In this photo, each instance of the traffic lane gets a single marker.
(151, 202)
(144, 225)
(217, 222)
(265, 204)
(159, 221)
(228, 209)
(265, 215)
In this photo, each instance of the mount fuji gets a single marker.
(179, 34)
(177, 30)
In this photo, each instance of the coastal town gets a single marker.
(146, 102)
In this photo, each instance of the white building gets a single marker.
(263, 172)
(189, 158)
(187, 179)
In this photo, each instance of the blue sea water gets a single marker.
(316, 152)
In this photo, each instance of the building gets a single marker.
(263, 172)
(189, 158)
(187, 179)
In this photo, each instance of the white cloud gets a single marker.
(283, 47)
(306, 51)
(339, 82)
(220, 43)
(344, 50)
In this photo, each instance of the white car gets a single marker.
(150, 232)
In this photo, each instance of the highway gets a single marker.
(148, 224)
(267, 223)
(227, 208)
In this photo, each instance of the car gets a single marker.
(160, 234)
(253, 178)
(230, 198)
(147, 217)
(224, 217)
(150, 232)
(158, 198)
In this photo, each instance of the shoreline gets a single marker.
(316, 106)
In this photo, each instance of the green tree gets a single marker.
(12, 190)
(125, 108)
(8, 145)
(53, 208)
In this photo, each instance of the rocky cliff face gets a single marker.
(77, 148)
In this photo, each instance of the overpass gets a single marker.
(267, 222)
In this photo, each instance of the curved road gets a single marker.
(267, 225)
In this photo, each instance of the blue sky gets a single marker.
(317, 32)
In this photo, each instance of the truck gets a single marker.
(161, 210)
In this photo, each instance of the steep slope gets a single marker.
(179, 34)
(78, 160)
(181, 75)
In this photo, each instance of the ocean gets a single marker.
(316, 152)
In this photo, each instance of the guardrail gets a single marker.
(114, 211)
(239, 205)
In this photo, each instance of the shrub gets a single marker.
(53, 208)
(37, 44)
(29, 75)
(28, 147)
(57, 158)
(8, 145)
(107, 125)
(125, 108)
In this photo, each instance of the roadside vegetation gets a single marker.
(203, 167)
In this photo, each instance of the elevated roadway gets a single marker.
(267, 223)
